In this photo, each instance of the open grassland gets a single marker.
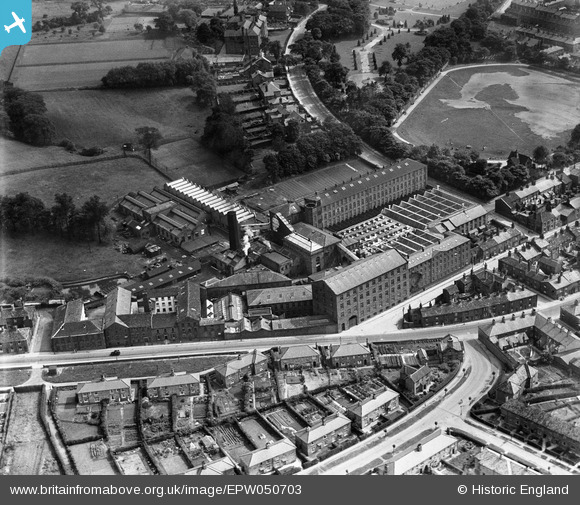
(73, 65)
(91, 52)
(73, 76)
(187, 158)
(41, 255)
(135, 369)
(126, 23)
(497, 107)
(109, 180)
(14, 377)
(19, 157)
(109, 117)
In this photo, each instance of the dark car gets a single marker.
(116, 352)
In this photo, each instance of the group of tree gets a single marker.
(302, 153)
(179, 11)
(341, 19)
(194, 73)
(223, 133)
(465, 169)
(15, 289)
(81, 15)
(210, 33)
(26, 112)
(23, 213)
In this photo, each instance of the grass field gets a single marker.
(131, 369)
(108, 179)
(110, 116)
(20, 157)
(500, 108)
(187, 158)
(71, 65)
(40, 255)
(91, 52)
(73, 76)
(14, 377)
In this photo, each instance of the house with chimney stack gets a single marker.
(327, 432)
(367, 412)
(232, 372)
(107, 388)
(348, 356)
(180, 384)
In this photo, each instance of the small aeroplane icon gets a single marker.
(17, 22)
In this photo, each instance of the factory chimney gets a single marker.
(234, 231)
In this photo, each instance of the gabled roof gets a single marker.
(259, 456)
(340, 280)
(118, 302)
(416, 374)
(251, 277)
(371, 404)
(467, 215)
(352, 349)
(381, 176)
(172, 380)
(450, 342)
(309, 435)
(298, 351)
(188, 301)
(76, 328)
(285, 294)
(324, 238)
(243, 361)
(103, 385)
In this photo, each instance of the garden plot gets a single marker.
(27, 451)
(233, 440)
(121, 425)
(156, 418)
(201, 448)
(191, 411)
(170, 456)
(92, 458)
(134, 462)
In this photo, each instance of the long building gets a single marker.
(212, 203)
(559, 16)
(371, 191)
(361, 290)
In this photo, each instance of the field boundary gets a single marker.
(60, 64)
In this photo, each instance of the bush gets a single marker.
(92, 151)
(68, 145)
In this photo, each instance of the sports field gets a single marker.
(499, 108)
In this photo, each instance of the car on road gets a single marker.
(116, 352)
